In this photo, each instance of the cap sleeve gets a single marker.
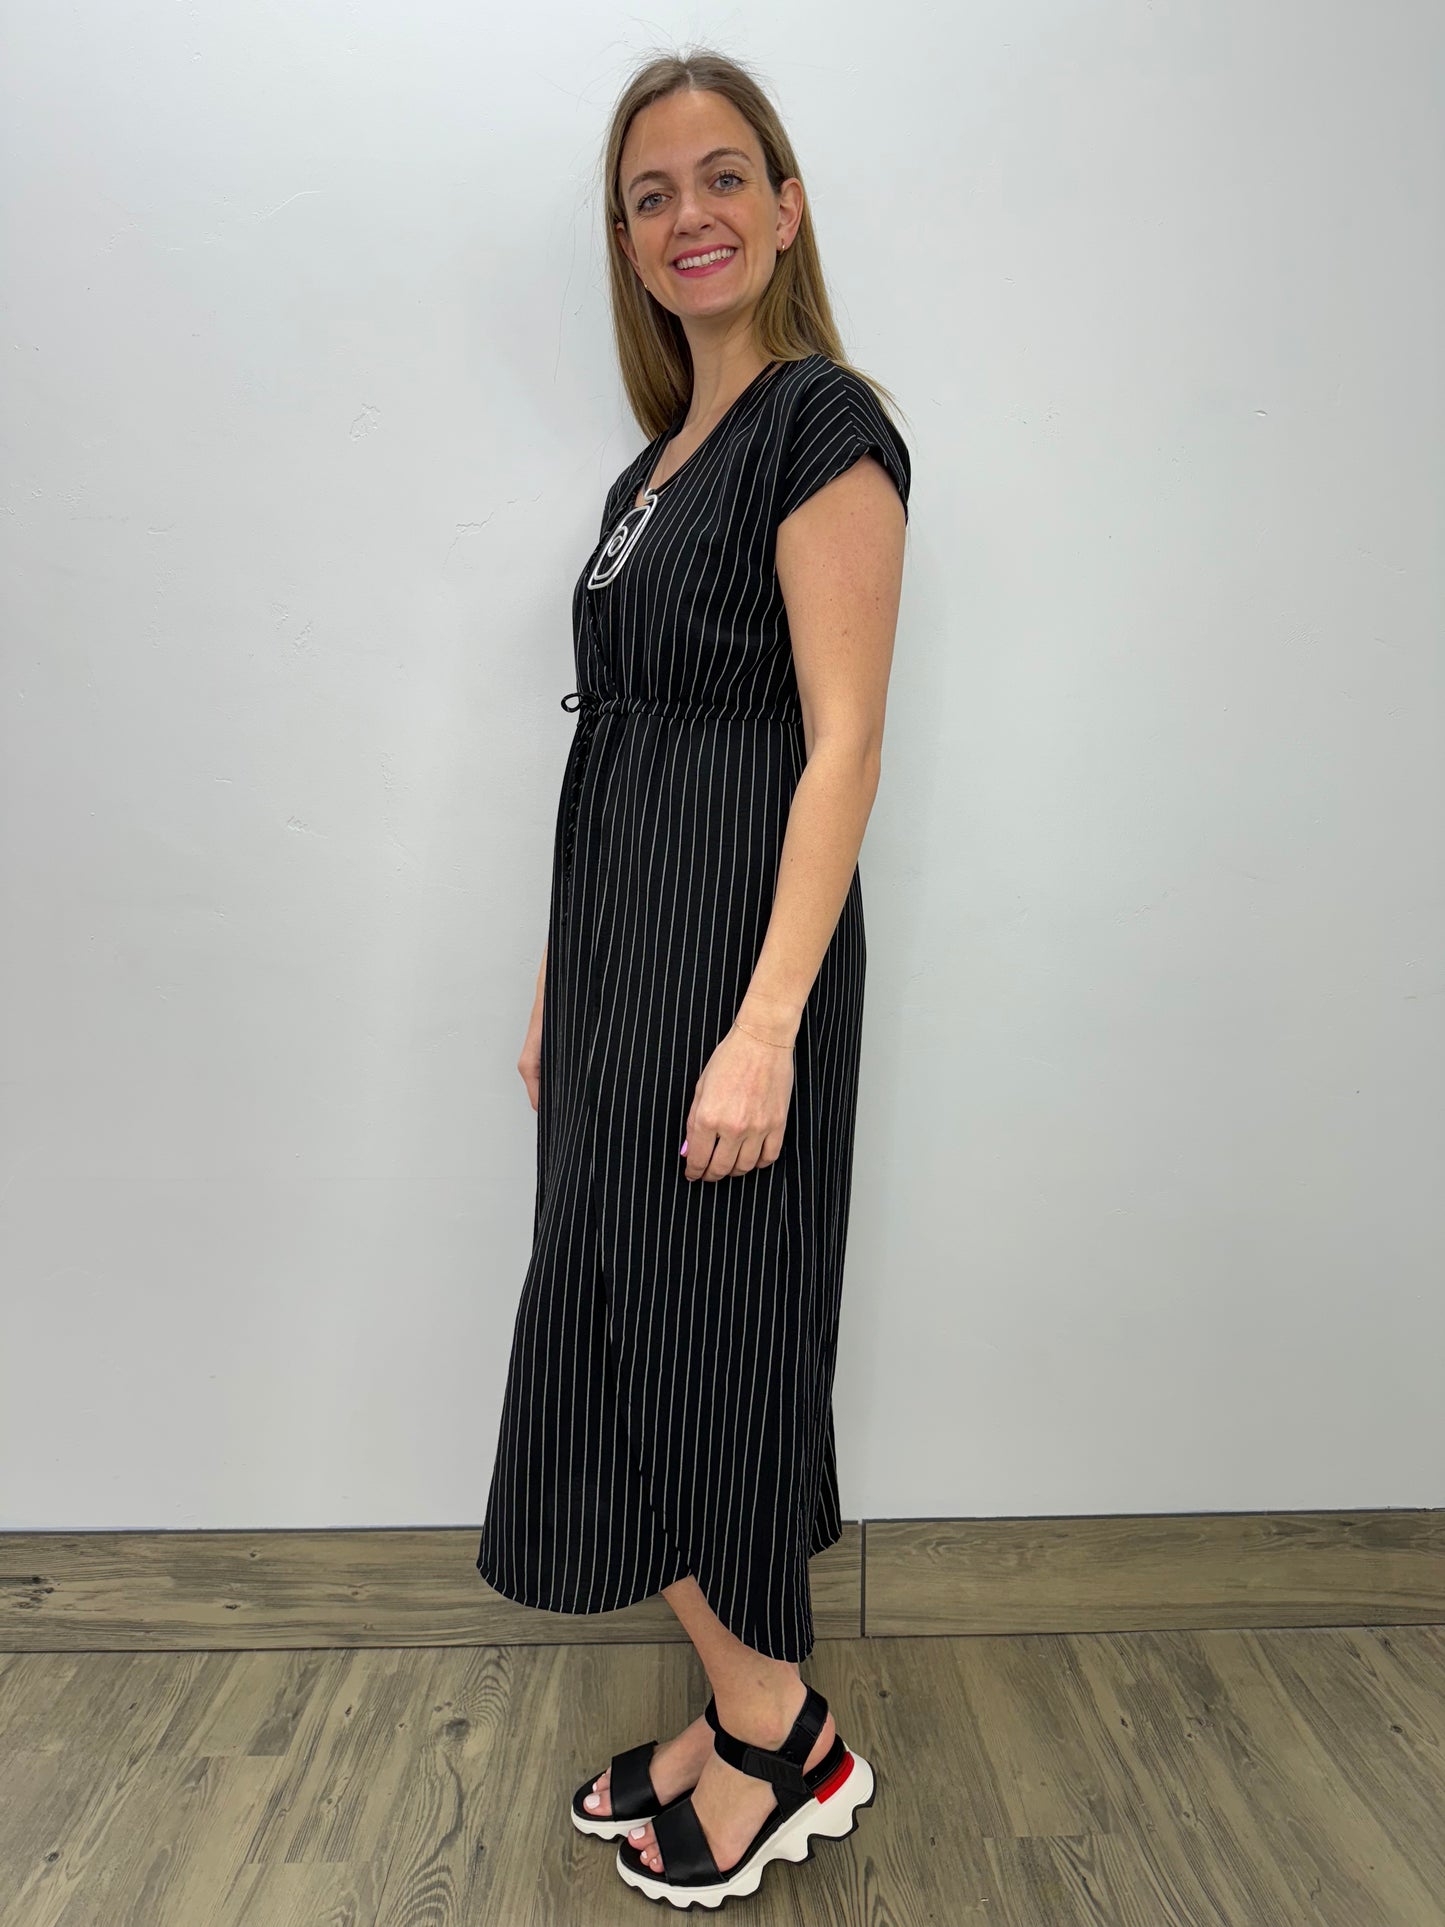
(835, 418)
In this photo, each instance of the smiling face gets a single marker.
(704, 228)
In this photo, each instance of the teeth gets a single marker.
(699, 260)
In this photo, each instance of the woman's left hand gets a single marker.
(739, 1108)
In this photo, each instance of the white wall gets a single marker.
(311, 404)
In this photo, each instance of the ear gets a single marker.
(624, 241)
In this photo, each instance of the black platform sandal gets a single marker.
(634, 1797)
(821, 1802)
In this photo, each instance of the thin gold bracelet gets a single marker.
(762, 1040)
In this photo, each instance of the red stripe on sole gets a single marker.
(836, 1778)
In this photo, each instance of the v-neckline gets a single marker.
(671, 435)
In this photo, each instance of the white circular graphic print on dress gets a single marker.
(620, 544)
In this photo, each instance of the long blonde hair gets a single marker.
(794, 317)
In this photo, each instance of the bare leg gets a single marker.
(673, 1768)
(676, 1764)
(758, 1699)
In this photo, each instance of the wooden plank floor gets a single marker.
(1288, 1778)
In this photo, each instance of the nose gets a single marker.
(692, 218)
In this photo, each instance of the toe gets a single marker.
(645, 1841)
(596, 1802)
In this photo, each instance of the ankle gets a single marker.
(763, 1716)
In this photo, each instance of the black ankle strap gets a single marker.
(784, 1766)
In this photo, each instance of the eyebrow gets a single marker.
(660, 174)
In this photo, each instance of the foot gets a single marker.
(730, 1804)
(674, 1768)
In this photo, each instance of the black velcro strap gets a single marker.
(762, 1764)
(784, 1767)
(803, 1735)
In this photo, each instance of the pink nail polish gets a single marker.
(683, 1152)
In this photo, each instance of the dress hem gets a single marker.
(519, 1598)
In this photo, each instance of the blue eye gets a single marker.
(728, 174)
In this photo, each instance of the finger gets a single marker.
(724, 1157)
(699, 1151)
(750, 1152)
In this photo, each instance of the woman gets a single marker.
(667, 1421)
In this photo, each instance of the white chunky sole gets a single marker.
(831, 1814)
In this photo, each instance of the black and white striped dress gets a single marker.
(668, 1402)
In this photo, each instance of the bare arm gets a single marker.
(840, 567)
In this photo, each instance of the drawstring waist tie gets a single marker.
(590, 705)
(593, 703)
